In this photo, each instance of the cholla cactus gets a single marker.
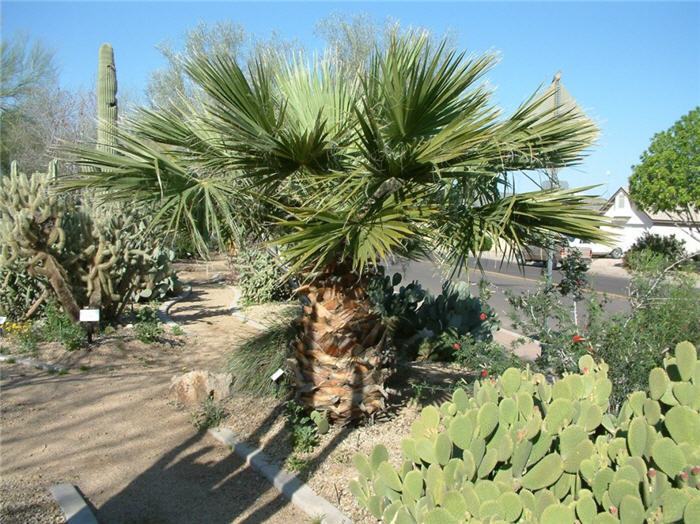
(31, 231)
(92, 254)
(524, 450)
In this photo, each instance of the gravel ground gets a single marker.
(107, 427)
(35, 506)
(329, 469)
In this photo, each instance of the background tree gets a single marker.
(35, 113)
(410, 152)
(169, 85)
(668, 177)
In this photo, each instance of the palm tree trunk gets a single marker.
(339, 363)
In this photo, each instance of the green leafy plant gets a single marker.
(295, 463)
(665, 180)
(574, 279)
(482, 356)
(209, 414)
(668, 248)
(303, 435)
(147, 328)
(259, 276)
(524, 450)
(664, 309)
(59, 328)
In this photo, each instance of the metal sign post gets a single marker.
(90, 317)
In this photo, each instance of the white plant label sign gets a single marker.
(89, 315)
(277, 374)
(3, 320)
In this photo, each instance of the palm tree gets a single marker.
(409, 157)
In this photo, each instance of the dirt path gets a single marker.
(112, 432)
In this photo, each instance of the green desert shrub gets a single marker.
(664, 310)
(667, 248)
(57, 327)
(209, 414)
(526, 450)
(259, 276)
(252, 363)
(147, 328)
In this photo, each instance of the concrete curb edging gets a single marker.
(288, 484)
(236, 312)
(164, 308)
(72, 504)
(33, 363)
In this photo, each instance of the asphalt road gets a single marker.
(504, 277)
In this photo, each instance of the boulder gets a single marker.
(194, 387)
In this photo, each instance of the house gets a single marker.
(634, 223)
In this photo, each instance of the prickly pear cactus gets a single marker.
(524, 450)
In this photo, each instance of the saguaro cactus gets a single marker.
(106, 98)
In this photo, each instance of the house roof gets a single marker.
(654, 216)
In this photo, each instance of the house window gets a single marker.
(620, 201)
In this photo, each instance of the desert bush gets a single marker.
(57, 327)
(252, 363)
(147, 328)
(22, 334)
(259, 276)
(668, 248)
(664, 309)
(524, 450)
(483, 356)
(209, 415)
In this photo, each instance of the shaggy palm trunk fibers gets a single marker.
(339, 364)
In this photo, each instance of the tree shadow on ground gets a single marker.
(192, 483)
(199, 486)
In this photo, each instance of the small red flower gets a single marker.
(577, 338)
(484, 373)
(613, 510)
(457, 346)
(585, 370)
(482, 316)
(580, 282)
(684, 475)
(652, 472)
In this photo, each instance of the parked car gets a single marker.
(562, 247)
(599, 250)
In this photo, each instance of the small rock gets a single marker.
(194, 387)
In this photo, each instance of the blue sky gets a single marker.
(634, 67)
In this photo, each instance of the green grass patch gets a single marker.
(252, 363)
